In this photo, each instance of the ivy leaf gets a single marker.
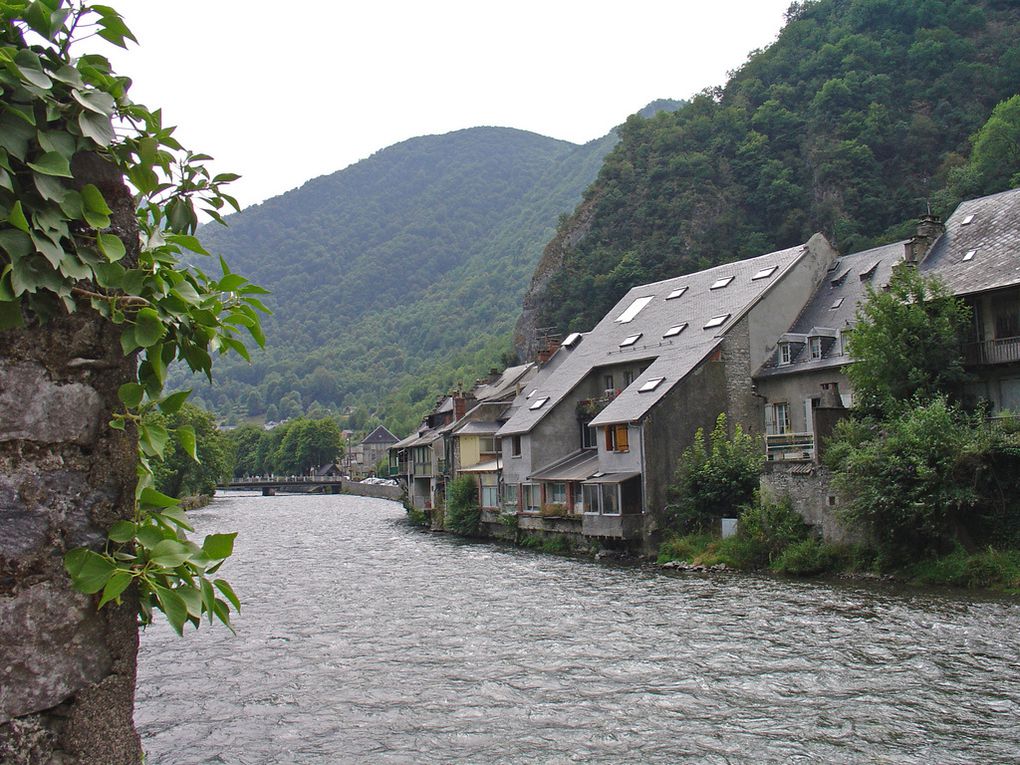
(188, 242)
(94, 200)
(52, 163)
(88, 570)
(152, 438)
(97, 127)
(95, 101)
(111, 246)
(17, 217)
(31, 70)
(149, 328)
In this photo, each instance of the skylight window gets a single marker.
(716, 321)
(572, 340)
(630, 340)
(676, 293)
(718, 284)
(765, 273)
(970, 255)
(539, 403)
(533, 392)
(967, 221)
(836, 304)
(674, 331)
(634, 309)
(651, 385)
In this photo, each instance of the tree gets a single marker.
(996, 156)
(714, 479)
(177, 474)
(462, 511)
(906, 344)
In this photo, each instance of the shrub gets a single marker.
(683, 548)
(999, 569)
(558, 545)
(713, 479)
(773, 524)
(806, 558)
(463, 515)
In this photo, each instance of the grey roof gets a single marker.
(380, 436)
(405, 442)
(994, 235)
(847, 285)
(490, 466)
(506, 383)
(669, 358)
(574, 467)
(478, 428)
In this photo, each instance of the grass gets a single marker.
(987, 569)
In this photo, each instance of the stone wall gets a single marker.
(809, 487)
(67, 672)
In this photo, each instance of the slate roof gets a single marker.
(993, 233)
(506, 383)
(669, 358)
(845, 286)
(380, 436)
(577, 466)
(478, 428)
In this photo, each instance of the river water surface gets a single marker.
(364, 640)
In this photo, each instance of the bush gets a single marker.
(683, 548)
(998, 569)
(773, 524)
(713, 479)
(806, 558)
(463, 515)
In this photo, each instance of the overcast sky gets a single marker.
(284, 92)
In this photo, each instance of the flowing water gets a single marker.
(364, 640)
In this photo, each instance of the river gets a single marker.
(364, 640)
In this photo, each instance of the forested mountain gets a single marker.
(857, 116)
(399, 276)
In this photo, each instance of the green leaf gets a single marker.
(117, 583)
(15, 243)
(186, 435)
(188, 242)
(17, 217)
(219, 546)
(150, 496)
(228, 592)
(10, 315)
(95, 101)
(112, 247)
(177, 516)
(50, 188)
(171, 604)
(122, 531)
(130, 394)
(108, 274)
(52, 163)
(192, 599)
(149, 536)
(31, 70)
(89, 571)
(172, 403)
(94, 200)
(149, 328)
(97, 127)
(169, 553)
(208, 597)
(152, 438)
(231, 282)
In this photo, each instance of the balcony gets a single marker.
(790, 446)
(613, 526)
(1002, 350)
(422, 469)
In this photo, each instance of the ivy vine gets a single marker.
(59, 252)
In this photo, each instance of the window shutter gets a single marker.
(770, 422)
(622, 443)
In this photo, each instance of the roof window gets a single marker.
(718, 284)
(970, 255)
(765, 273)
(532, 393)
(634, 309)
(967, 221)
(716, 321)
(676, 293)
(839, 279)
(674, 331)
(836, 304)
(869, 272)
(572, 339)
(651, 385)
(630, 340)
(539, 403)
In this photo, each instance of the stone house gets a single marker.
(596, 438)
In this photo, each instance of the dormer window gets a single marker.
(634, 309)
(718, 284)
(627, 341)
(815, 344)
(674, 331)
(765, 273)
(785, 354)
(676, 293)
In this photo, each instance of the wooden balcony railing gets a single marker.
(790, 446)
(1002, 350)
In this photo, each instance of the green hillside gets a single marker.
(398, 276)
(857, 116)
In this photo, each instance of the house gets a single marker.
(375, 446)
(597, 435)
(978, 258)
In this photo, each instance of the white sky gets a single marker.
(282, 93)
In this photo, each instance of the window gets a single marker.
(610, 499)
(1007, 318)
(676, 293)
(634, 309)
(765, 273)
(511, 492)
(781, 417)
(844, 342)
(716, 321)
(970, 255)
(608, 382)
(651, 385)
(674, 331)
(836, 304)
(785, 354)
(967, 221)
(718, 284)
(590, 497)
(539, 403)
(617, 438)
(628, 378)
(515, 446)
(630, 340)
(489, 494)
(816, 347)
(488, 445)
(588, 437)
(532, 498)
(556, 493)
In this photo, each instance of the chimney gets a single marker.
(459, 407)
(929, 229)
(552, 345)
(830, 397)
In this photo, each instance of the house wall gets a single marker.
(795, 388)
(470, 453)
(622, 462)
(809, 489)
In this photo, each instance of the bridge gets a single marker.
(310, 484)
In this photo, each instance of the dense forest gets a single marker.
(859, 115)
(396, 278)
